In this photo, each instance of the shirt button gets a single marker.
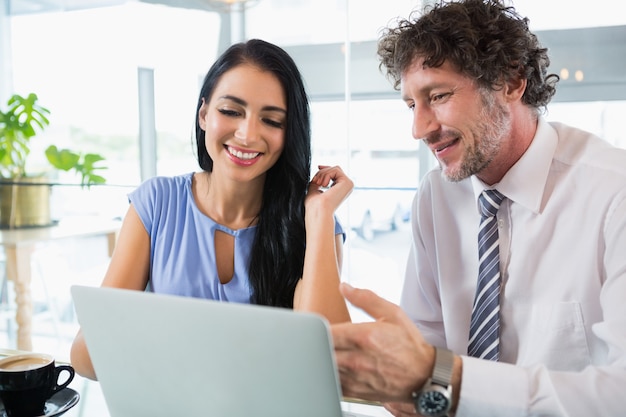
(501, 223)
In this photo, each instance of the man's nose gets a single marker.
(424, 121)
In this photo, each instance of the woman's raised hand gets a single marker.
(328, 188)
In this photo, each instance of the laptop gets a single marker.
(164, 355)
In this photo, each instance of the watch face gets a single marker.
(433, 403)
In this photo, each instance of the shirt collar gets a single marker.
(525, 181)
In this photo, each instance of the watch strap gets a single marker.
(442, 372)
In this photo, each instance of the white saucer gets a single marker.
(58, 404)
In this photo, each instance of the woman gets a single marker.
(250, 227)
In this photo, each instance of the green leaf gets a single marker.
(90, 159)
(63, 159)
(17, 126)
(94, 179)
(28, 113)
(84, 165)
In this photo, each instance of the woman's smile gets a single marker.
(241, 156)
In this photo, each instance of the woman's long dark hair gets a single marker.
(277, 257)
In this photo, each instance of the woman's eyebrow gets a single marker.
(275, 108)
(235, 99)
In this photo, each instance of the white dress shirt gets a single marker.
(562, 231)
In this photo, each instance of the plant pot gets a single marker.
(24, 202)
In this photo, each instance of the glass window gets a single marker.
(604, 118)
(85, 70)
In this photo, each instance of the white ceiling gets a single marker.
(19, 7)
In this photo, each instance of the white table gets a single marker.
(19, 245)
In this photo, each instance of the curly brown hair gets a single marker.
(484, 39)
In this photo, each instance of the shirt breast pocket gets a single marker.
(554, 335)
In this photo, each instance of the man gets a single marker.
(537, 321)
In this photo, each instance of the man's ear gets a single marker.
(514, 89)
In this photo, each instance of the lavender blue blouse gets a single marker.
(182, 249)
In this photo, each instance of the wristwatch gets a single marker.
(435, 397)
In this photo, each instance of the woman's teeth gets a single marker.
(243, 155)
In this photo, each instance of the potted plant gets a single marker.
(24, 197)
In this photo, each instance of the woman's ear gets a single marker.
(202, 115)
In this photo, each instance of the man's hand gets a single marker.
(385, 360)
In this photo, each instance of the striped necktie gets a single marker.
(484, 335)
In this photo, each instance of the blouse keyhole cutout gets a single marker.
(225, 256)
